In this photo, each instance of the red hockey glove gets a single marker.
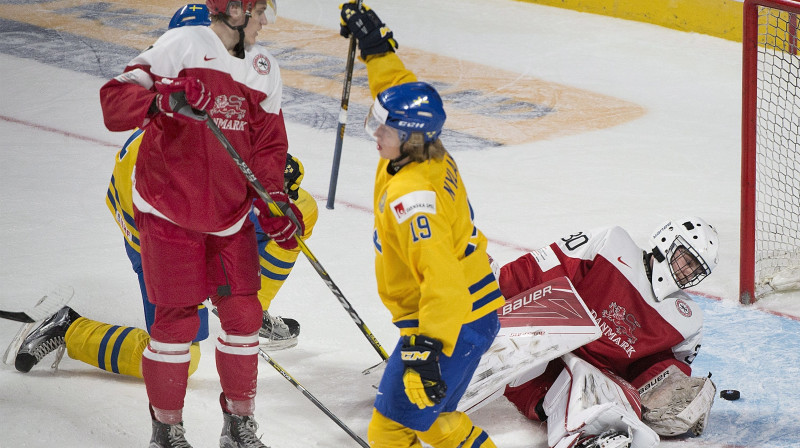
(281, 229)
(422, 378)
(179, 96)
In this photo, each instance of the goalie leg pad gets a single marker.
(678, 403)
(585, 400)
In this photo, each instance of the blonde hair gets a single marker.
(417, 150)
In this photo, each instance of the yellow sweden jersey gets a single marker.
(119, 199)
(431, 265)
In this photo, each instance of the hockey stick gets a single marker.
(275, 210)
(305, 392)
(337, 150)
(46, 306)
(311, 397)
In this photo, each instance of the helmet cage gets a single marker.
(692, 235)
(683, 255)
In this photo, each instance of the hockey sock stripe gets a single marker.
(168, 353)
(115, 350)
(480, 439)
(251, 348)
(231, 339)
(101, 353)
(276, 262)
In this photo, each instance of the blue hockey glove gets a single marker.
(422, 378)
(373, 36)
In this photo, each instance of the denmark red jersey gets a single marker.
(640, 337)
(183, 173)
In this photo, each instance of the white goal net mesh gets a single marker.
(777, 183)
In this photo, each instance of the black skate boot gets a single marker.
(278, 333)
(168, 436)
(607, 439)
(238, 431)
(45, 338)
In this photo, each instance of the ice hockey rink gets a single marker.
(559, 121)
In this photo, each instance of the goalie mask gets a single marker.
(684, 252)
(409, 108)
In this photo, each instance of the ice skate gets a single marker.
(238, 431)
(278, 333)
(168, 436)
(45, 338)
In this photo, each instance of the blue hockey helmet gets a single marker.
(193, 14)
(410, 107)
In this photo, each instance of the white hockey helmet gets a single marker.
(685, 251)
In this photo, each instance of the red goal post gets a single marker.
(770, 201)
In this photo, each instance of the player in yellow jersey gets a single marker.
(431, 266)
(118, 349)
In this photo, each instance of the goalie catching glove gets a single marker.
(183, 98)
(422, 378)
(677, 403)
(373, 36)
(281, 229)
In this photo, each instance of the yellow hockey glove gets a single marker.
(422, 378)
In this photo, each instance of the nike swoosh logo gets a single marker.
(206, 58)
(620, 260)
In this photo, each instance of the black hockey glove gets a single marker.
(422, 378)
(373, 36)
(292, 176)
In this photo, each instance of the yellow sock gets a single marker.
(455, 430)
(385, 433)
(113, 348)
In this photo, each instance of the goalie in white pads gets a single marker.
(634, 383)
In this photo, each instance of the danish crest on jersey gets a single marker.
(625, 324)
(229, 112)
(229, 106)
(412, 203)
(261, 64)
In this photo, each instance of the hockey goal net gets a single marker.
(770, 214)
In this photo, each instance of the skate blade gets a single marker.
(271, 345)
(377, 368)
(10, 354)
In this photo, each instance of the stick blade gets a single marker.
(51, 303)
(45, 307)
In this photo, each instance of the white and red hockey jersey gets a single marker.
(640, 337)
(183, 173)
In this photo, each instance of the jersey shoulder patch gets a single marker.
(406, 206)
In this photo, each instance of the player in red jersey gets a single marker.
(192, 202)
(634, 382)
